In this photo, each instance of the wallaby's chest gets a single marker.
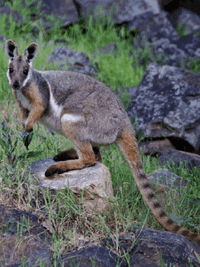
(51, 118)
(23, 100)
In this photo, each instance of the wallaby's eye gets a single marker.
(11, 70)
(25, 72)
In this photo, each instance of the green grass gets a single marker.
(68, 220)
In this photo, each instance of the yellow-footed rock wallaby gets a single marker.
(87, 112)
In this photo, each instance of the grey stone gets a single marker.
(189, 160)
(167, 178)
(187, 17)
(155, 147)
(102, 256)
(64, 11)
(22, 236)
(95, 181)
(167, 104)
(145, 253)
(122, 12)
(77, 60)
(15, 15)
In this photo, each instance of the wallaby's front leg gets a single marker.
(86, 156)
(37, 108)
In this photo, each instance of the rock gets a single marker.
(187, 17)
(153, 244)
(166, 106)
(155, 147)
(150, 246)
(167, 178)
(190, 5)
(121, 12)
(15, 250)
(77, 60)
(2, 38)
(95, 181)
(15, 15)
(166, 185)
(132, 91)
(22, 237)
(163, 42)
(100, 256)
(107, 49)
(64, 11)
(171, 156)
(153, 27)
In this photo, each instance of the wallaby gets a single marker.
(87, 112)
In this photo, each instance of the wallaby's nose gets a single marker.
(16, 85)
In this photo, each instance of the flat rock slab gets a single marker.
(95, 181)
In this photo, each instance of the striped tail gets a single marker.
(127, 144)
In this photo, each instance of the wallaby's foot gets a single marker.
(53, 169)
(66, 155)
(72, 154)
(62, 167)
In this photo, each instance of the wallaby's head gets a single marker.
(19, 67)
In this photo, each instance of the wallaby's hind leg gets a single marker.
(72, 154)
(86, 156)
(66, 155)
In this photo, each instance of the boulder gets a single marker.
(23, 239)
(95, 181)
(122, 12)
(155, 147)
(172, 156)
(166, 105)
(77, 61)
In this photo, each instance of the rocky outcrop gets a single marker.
(24, 241)
(166, 105)
(77, 61)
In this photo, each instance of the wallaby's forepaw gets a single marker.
(53, 169)
(27, 128)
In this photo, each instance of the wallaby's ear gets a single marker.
(11, 49)
(31, 52)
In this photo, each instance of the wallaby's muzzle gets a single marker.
(15, 85)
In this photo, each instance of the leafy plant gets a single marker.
(9, 145)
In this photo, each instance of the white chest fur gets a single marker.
(52, 119)
(24, 101)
